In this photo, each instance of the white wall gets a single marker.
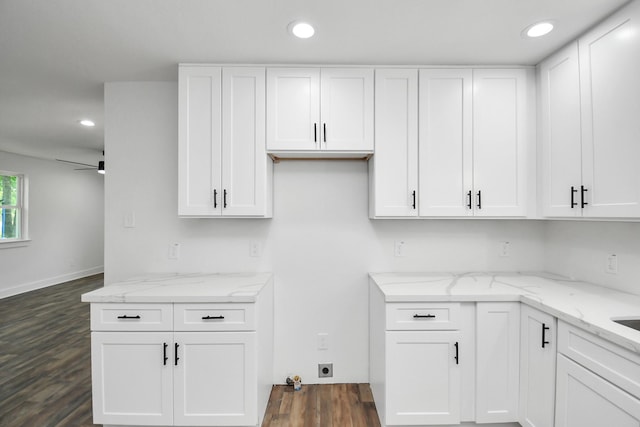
(580, 249)
(320, 243)
(66, 216)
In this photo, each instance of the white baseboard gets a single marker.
(50, 281)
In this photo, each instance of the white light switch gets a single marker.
(130, 220)
(323, 341)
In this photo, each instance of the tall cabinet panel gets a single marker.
(561, 133)
(499, 136)
(446, 169)
(200, 140)
(245, 168)
(609, 67)
(394, 168)
(498, 361)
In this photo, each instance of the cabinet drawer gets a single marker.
(131, 317)
(423, 316)
(612, 362)
(214, 317)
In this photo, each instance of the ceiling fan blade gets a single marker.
(76, 163)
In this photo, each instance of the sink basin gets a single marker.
(630, 323)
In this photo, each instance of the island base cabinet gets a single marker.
(584, 399)
(132, 381)
(423, 378)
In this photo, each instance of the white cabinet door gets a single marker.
(537, 367)
(346, 100)
(561, 133)
(499, 142)
(199, 135)
(498, 356)
(445, 146)
(393, 170)
(586, 400)
(245, 167)
(132, 374)
(423, 378)
(215, 379)
(609, 64)
(293, 109)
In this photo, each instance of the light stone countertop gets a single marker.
(183, 288)
(582, 304)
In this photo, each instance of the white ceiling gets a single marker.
(55, 55)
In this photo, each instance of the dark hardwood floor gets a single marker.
(45, 370)
(45, 357)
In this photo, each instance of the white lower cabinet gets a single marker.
(537, 367)
(585, 399)
(497, 361)
(180, 377)
(423, 377)
(598, 382)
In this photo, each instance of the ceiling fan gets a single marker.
(99, 167)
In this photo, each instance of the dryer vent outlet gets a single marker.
(325, 370)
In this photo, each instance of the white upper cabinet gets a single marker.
(473, 142)
(393, 170)
(223, 167)
(561, 134)
(610, 88)
(499, 142)
(329, 110)
(590, 128)
(446, 152)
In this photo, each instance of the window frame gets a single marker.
(22, 207)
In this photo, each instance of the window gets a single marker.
(13, 223)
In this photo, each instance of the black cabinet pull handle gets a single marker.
(315, 132)
(573, 192)
(212, 317)
(582, 198)
(469, 199)
(165, 357)
(413, 194)
(457, 353)
(424, 316)
(129, 317)
(324, 132)
(224, 198)
(175, 351)
(545, 328)
(215, 198)
(479, 205)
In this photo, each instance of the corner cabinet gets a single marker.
(459, 150)
(319, 110)
(223, 169)
(589, 107)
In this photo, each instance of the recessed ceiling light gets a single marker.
(539, 29)
(302, 30)
(87, 123)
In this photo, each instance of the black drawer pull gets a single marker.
(545, 328)
(457, 356)
(424, 316)
(165, 357)
(175, 354)
(212, 317)
(129, 317)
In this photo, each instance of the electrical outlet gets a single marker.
(255, 250)
(505, 249)
(398, 248)
(325, 370)
(612, 264)
(130, 220)
(323, 341)
(174, 251)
